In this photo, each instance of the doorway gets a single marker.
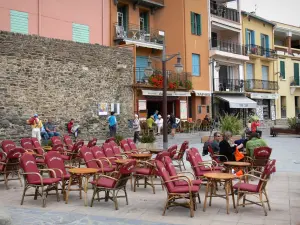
(214, 40)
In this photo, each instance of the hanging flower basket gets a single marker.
(156, 80)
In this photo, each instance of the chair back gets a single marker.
(58, 148)
(92, 142)
(56, 141)
(116, 149)
(8, 145)
(113, 143)
(99, 154)
(27, 144)
(169, 166)
(131, 144)
(37, 146)
(183, 148)
(110, 139)
(125, 146)
(162, 154)
(261, 156)
(28, 164)
(68, 141)
(212, 154)
(54, 161)
(164, 174)
(172, 150)
(108, 151)
(77, 146)
(191, 157)
(269, 169)
(125, 173)
(88, 157)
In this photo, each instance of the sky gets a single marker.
(284, 11)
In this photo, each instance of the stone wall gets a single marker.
(61, 80)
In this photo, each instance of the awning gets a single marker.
(169, 93)
(238, 102)
(144, 44)
(202, 93)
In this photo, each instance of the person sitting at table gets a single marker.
(254, 142)
(227, 147)
(215, 144)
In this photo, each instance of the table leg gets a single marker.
(86, 188)
(206, 195)
(232, 193)
(69, 186)
(212, 189)
(227, 196)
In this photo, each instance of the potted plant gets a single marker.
(231, 123)
(147, 141)
(119, 138)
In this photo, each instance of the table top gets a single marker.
(122, 161)
(142, 155)
(83, 170)
(220, 176)
(156, 150)
(234, 163)
(47, 148)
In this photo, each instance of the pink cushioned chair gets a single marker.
(259, 189)
(99, 154)
(113, 184)
(260, 158)
(178, 157)
(68, 142)
(109, 153)
(92, 142)
(188, 192)
(89, 159)
(33, 179)
(8, 145)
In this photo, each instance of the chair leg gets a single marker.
(36, 193)
(183, 164)
(262, 203)
(43, 197)
(166, 205)
(244, 199)
(191, 206)
(126, 197)
(115, 200)
(6, 180)
(152, 184)
(265, 193)
(94, 193)
(24, 191)
(134, 183)
(145, 182)
(198, 195)
(57, 195)
(19, 176)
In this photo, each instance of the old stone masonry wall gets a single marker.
(61, 80)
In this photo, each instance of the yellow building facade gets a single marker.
(287, 44)
(260, 81)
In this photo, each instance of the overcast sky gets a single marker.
(285, 11)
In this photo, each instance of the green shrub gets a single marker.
(231, 123)
(147, 138)
(292, 122)
(119, 138)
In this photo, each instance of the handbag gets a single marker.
(238, 155)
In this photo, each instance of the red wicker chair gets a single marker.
(92, 142)
(178, 157)
(68, 142)
(99, 154)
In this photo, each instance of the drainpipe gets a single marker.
(184, 33)
(102, 22)
(40, 17)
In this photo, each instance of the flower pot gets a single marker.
(147, 145)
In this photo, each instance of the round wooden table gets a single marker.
(80, 173)
(156, 151)
(142, 156)
(212, 180)
(47, 148)
(240, 165)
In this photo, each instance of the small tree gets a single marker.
(231, 123)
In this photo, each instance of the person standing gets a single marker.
(173, 124)
(150, 121)
(155, 115)
(36, 127)
(159, 122)
(254, 126)
(136, 128)
(112, 120)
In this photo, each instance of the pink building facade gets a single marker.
(85, 21)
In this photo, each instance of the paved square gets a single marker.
(146, 208)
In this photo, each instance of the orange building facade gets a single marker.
(180, 26)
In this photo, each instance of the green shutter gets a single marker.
(193, 22)
(199, 25)
(81, 33)
(18, 22)
(125, 17)
(296, 73)
(145, 16)
(282, 69)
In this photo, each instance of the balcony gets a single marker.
(261, 51)
(132, 34)
(224, 12)
(227, 49)
(254, 84)
(228, 85)
(175, 81)
(153, 4)
(294, 82)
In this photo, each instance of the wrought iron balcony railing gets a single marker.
(261, 51)
(224, 12)
(181, 81)
(261, 84)
(135, 33)
(149, 3)
(294, 82)
(232, 85)
(227, 46)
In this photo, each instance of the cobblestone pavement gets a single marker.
(146, 208)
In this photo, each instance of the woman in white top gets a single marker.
(136, 128)
(159, 123)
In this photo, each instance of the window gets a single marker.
(265, 77)
(203, 101)
(144, 22)
(196, 23)
(282, 69)
(81, 33)
(264, 42)
(18, 22)
(199, 109)
(207, 109)
(296, 74)
(122, 17)
(195, 65)
(250, 37)
(283, 106)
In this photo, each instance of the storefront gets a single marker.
(151, 100)
(265, 109)
(200, 104)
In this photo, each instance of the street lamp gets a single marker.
(178, 69)
(217, 68)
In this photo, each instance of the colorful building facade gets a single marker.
(287, 44)
(67, 20)
(261, 78)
